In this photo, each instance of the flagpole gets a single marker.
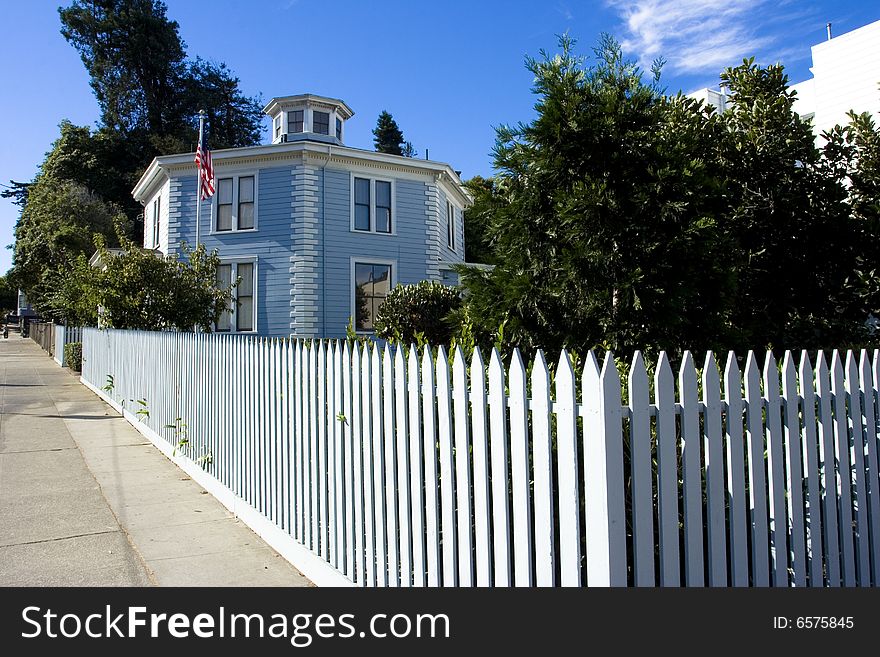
(202, 116)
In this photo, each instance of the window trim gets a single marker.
(276, 127)
(330, 115)
(450, 225)
(287, 114)
(373, 179)
(157, 213)
(235, 261)
(215, 202)
(366, 260)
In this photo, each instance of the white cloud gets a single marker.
(694, 35)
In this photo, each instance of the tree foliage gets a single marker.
(388, 137)
(138, 289)
(602, 214)
(411, 312)
(487, 199)
(149, 95)
(58, 224)
(625, 219)
(8, 296)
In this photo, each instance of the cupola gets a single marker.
(307, 116)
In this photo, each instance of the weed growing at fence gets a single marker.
(180, 435)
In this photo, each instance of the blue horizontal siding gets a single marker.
(407, 248)
(271, 243)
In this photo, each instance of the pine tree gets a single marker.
(388, 136)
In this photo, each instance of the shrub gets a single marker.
(411, 313)
(73, 353)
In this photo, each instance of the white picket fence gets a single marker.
(395, 468)
(65, 335)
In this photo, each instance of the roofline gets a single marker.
(442, 171)
(309, 97)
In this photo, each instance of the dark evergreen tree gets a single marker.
(149, 96)
(388, 136)
(796, 240)
(602, 216)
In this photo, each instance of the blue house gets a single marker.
(318, 232)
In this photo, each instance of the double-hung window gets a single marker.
(295, 121)
(372, 283)
(240, 316)
(339, 128)
(450, 225)
(372, 205)
(276, 128)
(321, 122)
(157, 207)
(236, 204)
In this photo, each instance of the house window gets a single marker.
(236, 203)
(241, 313)
(321, 122)
(362, 204)
(224, 204)
(245, 202)
(450, 225)
(157, 206)
(339, 129)
(383, 206)
(276, 128)
(295, 121)
(371, 205)
(372, 283)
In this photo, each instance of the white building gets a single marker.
(846, 76)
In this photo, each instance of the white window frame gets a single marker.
(236, 175)
(373, 179)
(235, 261)
(287, 114)
(157, 211)
(367, 260)
(330, 124)
(450, 225)
(276, 127)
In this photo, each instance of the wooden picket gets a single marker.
(400, 468)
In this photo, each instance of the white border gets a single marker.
(235, 175)
(367, 260)
(235, 260)
(373, 179)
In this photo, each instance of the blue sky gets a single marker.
(447, 71)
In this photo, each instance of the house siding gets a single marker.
(271, 244)
(407, 247)
(304, 246)
(149, 220)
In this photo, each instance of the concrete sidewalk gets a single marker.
(85, 500)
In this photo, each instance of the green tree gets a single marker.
(852, 153)
(487, 198)
(420, 310)
(234, 119)
(17, 191)
(388, 138)
(145, 86)
(138, 289)
(602, 215)
(149, 95)
(796, 239)
(8, 296)
(135, 60)
(58, 224)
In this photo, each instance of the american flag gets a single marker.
(205, 168)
